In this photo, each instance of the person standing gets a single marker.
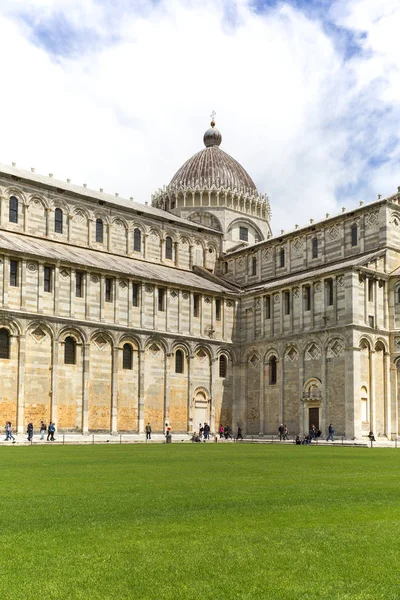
(29, 431)
(221, 432)
(206, 431)
(43, 429)
(239, 433)
(281, 430)
(7, 431)
(285, 433)
(331, 431)
(10, 432)
(148, 431)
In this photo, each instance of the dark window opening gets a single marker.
(254, 266)
(109, 289)
(370, 290)
(14, 273)
(371, 321)
(137, 240)
(272, 370)
(286, 302)
(99, 231)
(13, 210)
(168, 248)
(69, 351)
(329, 292)
(354, 235)
(315, 248)
(267, 301)
(127, 357)
(307, 298)
(4, 343)
(79, 284)
(218, 309)
(135, 294)
(58, 220)
(161, 299)
(243, 234)
(223, 365)
(48, 279)
(196, 305)
(282, 257)
(179, 361)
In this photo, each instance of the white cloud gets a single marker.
(124, 115)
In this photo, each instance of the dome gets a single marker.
(213, 166)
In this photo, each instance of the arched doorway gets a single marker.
(201, 407)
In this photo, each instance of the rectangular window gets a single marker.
(370, 290)
(135, 294)
(286, 302)
(307, 298)
(161, 299)
(14, 273)
(282, 257)
(217, 309)
(267, 304)
(196, 305)
(109, 289)
(371, 321)
(254, 266)
(244, 234)
(79, 284)
(329, 292)
(48, 279)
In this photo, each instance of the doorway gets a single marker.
(201, 412)
(313, 418)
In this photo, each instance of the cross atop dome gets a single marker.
(212, 136)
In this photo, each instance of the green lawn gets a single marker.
(199, 521)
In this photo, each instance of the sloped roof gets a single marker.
(94, 259)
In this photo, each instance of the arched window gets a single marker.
(58, 220)
(398, 295)
(282, 257)
(4, 343)
(272, 370)
(69, 351)
(179, 361)
(137, 240)
(168, 247)
(223, 365)
(254, 266)
(315, 248)
(13, 210)
(99, 231)
(127, 357)
(354, 235)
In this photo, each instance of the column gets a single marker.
(334, 284)
(56, 288)
(85, 387)
(72, 290)
(167, 387)
(54, 383)
(191, 304)
(141, 355)
(21, 384)
(90, 231)
(372, 418)
(114, 392)
(23, 284)
(116, 301)
(6, 280)
(47, 215)
(162, 249)
(142, 304)
(388, 414)
(3, 219)
(69, 227)
(102, 293)
(176, 253)
(190, 394)
(25, 208)
(87, 296)
(129, 305)
(281, 365)
(167, 308)
(213, 376)
(145, 236)
(190, 256)
(378, 322)
(262, 396)
(108, 234)
(40, 287)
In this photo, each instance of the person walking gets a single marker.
(281, 430)
(221, 432)
(239, 433)
(29, 431)
(43, 429)
(148, 431)
(10, 432)
(50, 432)
(331, 432)
(285, 433)
(206, 431)
(7, 428)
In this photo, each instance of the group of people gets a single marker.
(283, 432)
(51, 429)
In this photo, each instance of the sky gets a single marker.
(117, 94)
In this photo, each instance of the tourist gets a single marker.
(313, 432)
(43, 429)
(206, 431)
(331, 431)
(371, 436)
(10, 432)
(298, 440)
(201, 431)
(148, 431)
(50, 432)
(281, 430)
(7, 431)
(221, 432)
(285, 433)
(239, 434)
(29, 431)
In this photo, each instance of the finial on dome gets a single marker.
(212, 136)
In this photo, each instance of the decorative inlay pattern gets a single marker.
(32, 267)
(333, 232)
(173, 294)
(313, 352)
(64, 273)
(94, 279)
(292, 354)
(38, 334)
(123, 284)
(148, 289)
(254, 360)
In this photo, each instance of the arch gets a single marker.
(70, 351)
(77, 334)
(155, 340)
(105, 335)
(273, 350)
(39, 198)
(130, 339)
(205, 218)
(78, 211)
(244, 221)
(365, 343)
(181, 346)
(15, 191)
(223, 365)
(41, 325)
(4, 343)
(201, 347)
(12, 326)
(383, 343)
(312, 388)
(119, 219)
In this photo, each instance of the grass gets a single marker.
(220, 521)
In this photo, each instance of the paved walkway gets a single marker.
(103, 438)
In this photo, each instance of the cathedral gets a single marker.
(115, 314)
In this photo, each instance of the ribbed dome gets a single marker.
(212, 166)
